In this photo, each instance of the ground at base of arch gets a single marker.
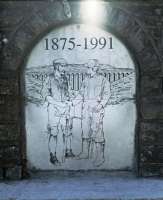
(92, 186)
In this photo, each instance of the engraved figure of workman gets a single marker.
(95, 92)
(56, 95)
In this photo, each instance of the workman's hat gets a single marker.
(60, 61)
(91, 63)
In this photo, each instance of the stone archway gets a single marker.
(134, 30)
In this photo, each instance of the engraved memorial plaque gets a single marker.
(80, 107)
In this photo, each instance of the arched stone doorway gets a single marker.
(89, 124)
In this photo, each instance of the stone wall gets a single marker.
(137, 23)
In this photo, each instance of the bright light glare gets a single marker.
(92, 11)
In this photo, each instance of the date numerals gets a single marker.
(59, 43)
(100, 43)
(72, 43)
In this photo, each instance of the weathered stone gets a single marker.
(152, 154)
(11, 57)
(10, 156)
(8, 87)
(151, 133)
(151, 140)
(150, 86)
(9, 109)
(152, 108)
(150, 169)
(14, 173)
(1, 174)
(9, 132)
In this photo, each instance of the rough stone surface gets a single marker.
(139, 24)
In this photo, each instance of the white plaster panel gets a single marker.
(112, 136)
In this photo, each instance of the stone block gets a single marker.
(150, 86)
(14, 173)
(9, 108)
(150, 169)
(9, 155)
(152, 108)
(151, 153)
(9, 132)
(8, 87)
